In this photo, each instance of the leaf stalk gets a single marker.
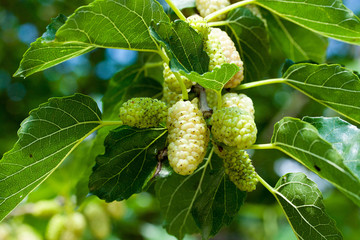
(176, 10)
(213, 15)
(260, 83)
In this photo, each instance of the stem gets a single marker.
(165, 58)
(218, 23)
(176, 10)
(152, 64)
(185, 95)
(111, 123)
(263, 146)
(213, 15)
(219, 99)
(204, 107)
(260, 83)
(266, 185)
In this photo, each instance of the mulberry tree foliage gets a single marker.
(181, 118)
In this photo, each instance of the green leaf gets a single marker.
(128, 83)
(183, 45)
(206, 199)
(128, 163)
(302, 141)
(329, 18)
(295, 42)
(252, 41)
(303, 205)
(344, 137)
(331, 85)
(217, 205)
(216, 79)
(105, 24)
(46, 138)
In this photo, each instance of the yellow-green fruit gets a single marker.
(170, 97)
(241, 172)
(143, 112)
(55, 227)
(206, 7)
(188, 137)
(199, 24)
(26, 232)
(46, 208)
(5, 231)
(233, 127)
(76, 223)
(172, 82)
(238, 100)
(221, 49)
(98, 220)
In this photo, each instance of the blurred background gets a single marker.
(21, 22)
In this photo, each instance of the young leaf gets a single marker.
(303, 205)
(252, 41)
(206, 199)
(216, 79)
(302, 141)
(329, 18)
(183, 45)
(106, 24)
(295, 42)
(128, 163)
(331, 85)
(46, 138)
(129, 82)
(344, 137)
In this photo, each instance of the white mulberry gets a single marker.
(206, 7)
(221, 49)
(170, 97)
(238, 100)
(188, 137)
(172, 82)
(199, 24)
(233, 127)
(143, 112)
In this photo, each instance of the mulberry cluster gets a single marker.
(172, 82)
(188, 137)
(238, 100)
(241, 172)
(233, 127)
(206, 7)
(143, 112)
(221, 49)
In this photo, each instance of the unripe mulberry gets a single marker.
(241, 172)
(199, 24)
(99, 222)
(233, 127)
(238, 100)
(170, 97)
(206, 7)
(221, 49)
(143, 112)
(188, 137)
(172, 81)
